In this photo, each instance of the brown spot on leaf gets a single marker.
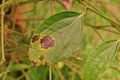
(33, 63)
(46, 42)
(30, 46)
(46, 63)
(35, 38)
(41, 57)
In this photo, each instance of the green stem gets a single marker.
(10, 3)
(2, 34)
(50, 72)
(99, 34)
(15, 17)
(93, 7)
(8, 69)
(100, 13)
(118, 28)
(102, 28)
(1, 74)
(75, 65)
(114, 68)
(10, 30)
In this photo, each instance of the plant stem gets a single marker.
(1, 74)
(8, 69)
(93, 7)
(50, 72)
(15, 17)
(75, 65)
(102, 28)
(107, 19)
(99, 34)
(10, 3)
(100, 13)
(2, 34)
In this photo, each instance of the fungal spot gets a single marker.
(30, 46)
(41, 57)
(46, 63)
(33, 63)
(46, 42)
(35, 38)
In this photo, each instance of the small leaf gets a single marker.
(99, 60)
(56, 38)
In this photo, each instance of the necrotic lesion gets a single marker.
(46, 42)
(35, 38)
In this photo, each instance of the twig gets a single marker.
(103, 28)
(15, 17)
(73, 64)
(59, 73)
(2, 34)
(100, 13)
(118, 28)
(10, 3)
(13, 31)
(31, 19)
(114, 68)
(4, 77)
(22, 70)
(2, 73)
(23, 75)
(50, 72)
(77, 70)
(99, 34)
(118, 33)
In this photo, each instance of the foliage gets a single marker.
(60, 40)
(99, 60)
(64, 28)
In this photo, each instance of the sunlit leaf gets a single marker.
(99, 60)
(56, 38)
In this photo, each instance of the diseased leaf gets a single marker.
(99, 60)
(56, 38)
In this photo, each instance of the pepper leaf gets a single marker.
(99, 60)
(56, 38)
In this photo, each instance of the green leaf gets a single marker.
(61, 33)
(39, 73)
(99, 60)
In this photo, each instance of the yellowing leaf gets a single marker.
(56, 38)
